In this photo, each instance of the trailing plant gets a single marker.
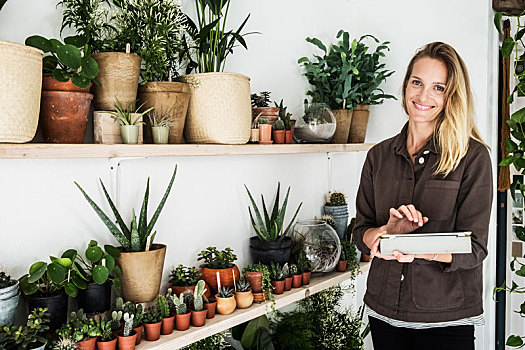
(266, 280)
(183, 276)
(5, 280)
(116, 317)
(69, 60)
(276, 272)
(152, 317)
(105, 330)
(128, 324)
(302, 262)
(65, 344)
(198, 302)
(261, 100)
(160, 120)
(216, 259)
(136, 238)
(336, 199)
(162, 306)
(213, 342)
(129, 115)
(284, 115)
(136, 311)
(30, 335)
(349, 249)
(225, 292)
(278, 125)
(271, 228)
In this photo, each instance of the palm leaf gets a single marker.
(161, 204)
(120, 222)
(258, 214)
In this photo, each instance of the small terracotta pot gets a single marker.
(167, 325)
(341, 266)
(306, 278)
(51, 84)
(278, 136)
(244, 299)
(288, 137)
(209, 276)
(288, 283)
(107, 345)
(152, 331)
(182, 322)
(88, 344)
(255, 279)
(139, 334)
(365, 257)
(226, 306)
(198, 318)
(178, 290)
(297, 281)
(278, 287)
(126, 343)
(265, 133)
(211, 307)
(260, 297)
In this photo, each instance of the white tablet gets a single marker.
(426, 243)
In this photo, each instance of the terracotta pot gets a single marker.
(107, 345)
(166, 97)
(260, 297)
(288, 137)
(359, 124)
(139, 334)
(278, 136)
(512, 7)
(297, 280)
(341, 266)
(51, 84)
(343, 119)
(254, 135)
(177, 290)
(226, 306)
(365, 257)
(210, 307)
(152, 331)
(271, 114)
(226, 275)
(182, 322)
(244, 299)
(306, 278)
(278, 287)
(141, 273)
(64, 116)
(126, 343)
(198, 318)
(288, 283)
(118, 74)
(167, 325)
(255, 279)
(265, 134)
(88, 344)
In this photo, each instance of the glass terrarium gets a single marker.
(317, 125)
(320, 242)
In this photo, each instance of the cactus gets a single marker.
(128, 324)
(286, 270)
(180, 306)
(278, 125)
(294, 270)
(162, 306)
(329, 219)
(276, 272)
(65, 343)
(119, 303)
(342, 257)
(302, 262)
(116, 316)
(136, 311)
(198, 303)
(5, 280)
(243, 286)
(152, 317)
(337, 198)
(225, 292)
(188, 297)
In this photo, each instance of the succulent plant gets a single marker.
(294, 270)
(329, 219)
(152, 317)
(286, 270)
(116, 316)
(225, 292)
(336, 199)
(243, 286)
(278, 125)
(180, 305)
(302, 262)
(284, 115)
(217, 259)
(198, 303)
(276, 272)
(162, 306)
(261, 100)
(128, 324)
(262, 121)
(119, 304)
(136, 311)
(5, 280)
(183, 276)
(65, 343)
(104, 327)
(342, 257)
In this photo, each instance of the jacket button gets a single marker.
(426, 152)
(402, 277)
(421, 160)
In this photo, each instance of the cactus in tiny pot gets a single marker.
(127, 337)
(163, 307)
(182, 316)
(337, 207)
(128, 324)
(278, 132)
(198, 314)
(337, 199)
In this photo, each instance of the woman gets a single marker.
(434, 176)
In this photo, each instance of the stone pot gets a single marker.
(129, 134)
(8, 309)
(244, 299)
(340, 215)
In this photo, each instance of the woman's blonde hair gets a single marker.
(455, 125)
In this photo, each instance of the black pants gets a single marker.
(387, 337)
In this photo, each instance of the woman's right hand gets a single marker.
(404, 219)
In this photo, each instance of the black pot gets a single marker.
(56, 307)
(512, 7)
(266, 252)
(95, 299)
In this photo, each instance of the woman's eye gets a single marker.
(440, 88)
(416, 82)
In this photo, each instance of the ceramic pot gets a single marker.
(288, 137)
(129, 134)
(152, 331)
(244, 299)
(139, 334)
(211, 307)
(297, 280)
(88, 344)
(126, 343)
(306, 278)
(178, 290)
(226, 275)
(198, 318)
(107, 345)
(260, 297)
(341, 266)
(266, 252)
(340, 215)
(182, 322)
(226, 306)
(167, 325)
(278, 136)
(51, 84)
(255, 279)
(288, 283)
(95, 299)
(278, 287)
(160, 134)
(265, 134)
(9, 297)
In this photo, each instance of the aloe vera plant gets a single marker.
(134, 239)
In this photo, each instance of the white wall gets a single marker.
(42, 213)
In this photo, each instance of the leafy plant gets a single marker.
(225, 292)
(216, 259)
(243, 286)
(266, 280)
(294, 270)
(284, 115)
(152, 317)
(104, 329)
(69, 60)
(198, 302)
(79, 327)
(271, 228)
(254, 334)
(125, 115)
(276, 272)
(134, 239)
(302, 262)
(278, 125)
(183, 276)
(29, 335)
(261, 100)
(213, 342)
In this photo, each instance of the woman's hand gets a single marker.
(402, 258)
(405, 219)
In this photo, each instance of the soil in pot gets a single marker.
(244, 299)
(198, 318)
(182, 322)
(167, 325)
(95, 299)
(56, 307)
(297, 281)
(341, 266)
(126, 343)
(266, 252)
(278, 287)
(88, 344)
(226, 275)
(226, 306)
(306, 278)
(288, 283)
(255, 279)
(107, 345)
(139, 334)
(278, 136)
(211, 307)
(152, 331)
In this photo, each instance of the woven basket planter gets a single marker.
(20, 87)
(220, 108)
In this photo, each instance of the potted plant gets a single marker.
(127, 337)
(152, 321)
(129, 128)
(217, 98)
(288, 122)
(261, 107)
(341, 264)
(277, 278)
(160, 127)
(265, 132)
(136, 311)
(226, 303)
(8, 298)
(198, 314)
(337, 208)
(288, 279)
(32, 334)
(69, 344)
(182, 315)
(184, 278)
(278, 132)
(271, 242)
(218, 265)
(258, 276)
(141, 261)
(116, 319)
(210, 304)
(254, 132)
(106, 340)
(168, 318)
(84, 331)
(297, 276)
(303, 267)
(243, 294)
(69, 70)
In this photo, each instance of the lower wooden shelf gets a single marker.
(220, 323)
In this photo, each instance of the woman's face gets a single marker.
(425, 91)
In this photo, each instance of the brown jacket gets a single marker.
(426, 291)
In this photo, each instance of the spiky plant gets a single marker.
(284, 115)
(225, 292)
(198, 302)
(180, 305)
(116, 316)
(128, 324)
(65, 343)
(337, 199)
(5, 280)
(129, 115)
(302, 262)
(243, 286)
(160, 119)
(294, 270)
(162, 306)
(329, 219)
(187, 295)
(276, 272)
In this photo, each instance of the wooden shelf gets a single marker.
(53, 151)
(220, 323)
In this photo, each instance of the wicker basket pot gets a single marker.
(512, 7)
(220, 108)
(167, 97)
(20, 87)
(118, 74)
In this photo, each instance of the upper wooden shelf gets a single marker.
(53, 151)
(220, 323)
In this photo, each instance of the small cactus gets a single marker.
(225, 292)
(136, 311)
(128, 324)
(119, 303)
(65, 343)
(243, 286)
(116, 316)
(198, 303)
(180, 306)
(278, 125)
(293, 269)
(329, 219)
(262, 121)
(342, 257)
(302, 262)
(337, 198)
(162, 306)
(188, 297)
(5, 280)
(286, 270)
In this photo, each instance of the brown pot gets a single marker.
(343, 118)
(359, 124)
(167, 325)
(265, 134)
(278, 287)
(226, 275)
(86, 344)
(269, 113)
(126, 343)
(288, 283)
(167, 97)
(341, 266)
(255, 279)
(64, 116)
(260, 297)
(297, 280)
(512, 7)
(244, 299)
(198, 318)
(141, 273)
(182, 322)
(118, 75)
(139, 334)
(178, 290)
(365, 257)
(107, 345)
(306, 278)
(278, 136)
(226, 306)
(210, 307)
(152, 331)
(288, 137)
(51, 84)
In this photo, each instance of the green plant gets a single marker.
(160, 120)
(136, 311)
(125, 115)
(271, 229)
(71, 60)
(243, 286)
(79, 327)
(213, 342)
(254, 334)
(261, 100)
(198, 303)
(294, 270)
(336, 199)
(262, 121)
(302, 262)
(104, 328)
(225, 292)
(116, 316)
(134, 240)
(276, 272)
(286, 271)
(216, 259)
(187, 296)
(329, 219)
(119, 304)
(180, 305)
(152, 317)
(350, 251)
(183, 276)
(29, 335)
(266, 280)
(284, 115)
(65, 344)
(5, 280)
(278, 125)
(128, 324)
(162, 306)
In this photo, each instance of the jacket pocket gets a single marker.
(439, 199)
(433, 289)
(376, 274)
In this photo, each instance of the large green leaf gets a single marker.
(39, 42)
(497, 21)
(49, 63)
(56, 273)
(317, 43)
(511, 145)
(514, 340)
(55, 44)
(64, 262)
(70, 56)
(26, 287)
(248, 336)
(263, 340)
(143, 216)
(70, 254)
(80, 271)
(109, 262)
(100, 274)
(507, 47)
(135, 237)
(260, 227)
(71, 289)
(78, 281)
(111, 250)
(77, 40)
(36, 271)
(120, 222)
(89, 67)
(80, 81)
(94, 254)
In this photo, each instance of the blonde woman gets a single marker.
(434, 176)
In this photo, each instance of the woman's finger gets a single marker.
(413, 212)
(420, 218)
(404, 210)
(403, 258)
(394, 212)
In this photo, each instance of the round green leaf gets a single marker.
(89, 67)
(78, 281)
(117, 272)
(36, 271)
(117, 286)
(76, 40)
(39, 42)
(80, 81)
(100, 274)
(514, 340)
(49, 63)
(94, 254)
(70, 56)
(80, 271)
(61, 75)
(56, 273)
(26, 287)
(64, 262)
(55, 44)
(92, 243)
(70, 254)
(70, 289)
(111, 250)
(110, 262)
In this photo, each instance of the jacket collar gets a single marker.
(400, 143)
